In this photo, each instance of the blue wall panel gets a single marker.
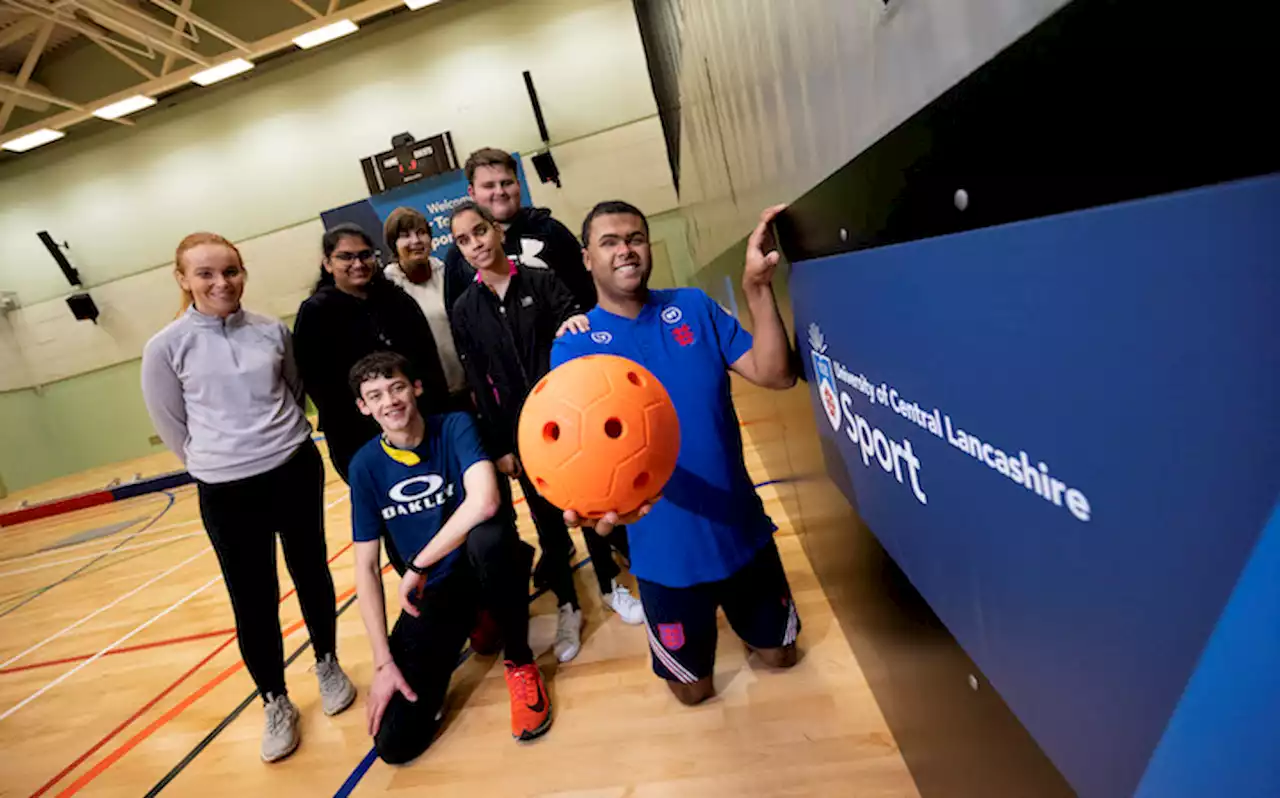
(1133, 349)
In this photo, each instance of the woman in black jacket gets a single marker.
(353, 312)
(504, 324)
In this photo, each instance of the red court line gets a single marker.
(200, 692)
(132, 742)
(123, 650)
(142, 710)
(56, 507)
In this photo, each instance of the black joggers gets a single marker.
(553, 536)
(495, 575)
(242, 519)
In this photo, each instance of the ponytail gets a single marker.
(191, 242)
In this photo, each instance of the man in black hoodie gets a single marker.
(532, 236)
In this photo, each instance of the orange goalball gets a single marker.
(599, 434)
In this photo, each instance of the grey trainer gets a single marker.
(336, 690)
(280, 734)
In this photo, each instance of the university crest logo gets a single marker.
(826, 375)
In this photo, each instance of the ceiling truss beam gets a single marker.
(183, 12)
(73, 24)
(24, 74)
(179, 77)
(19, 31)
(179, 23)
(307, 8)
(157, 40)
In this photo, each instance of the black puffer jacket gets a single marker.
(505, 346)
(334, 330)
(537, 241)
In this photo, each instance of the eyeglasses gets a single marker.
(366, 255)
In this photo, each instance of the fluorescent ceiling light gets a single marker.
(221, 72)
(33, 140)
(125, 107)
(414, 5)
(328, 33)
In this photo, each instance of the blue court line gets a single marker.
(86, 566)
(235, 713)
(358, 773)
(367, 762)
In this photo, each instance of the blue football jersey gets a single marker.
(710, 522)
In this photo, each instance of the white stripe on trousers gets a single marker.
(665, 657)
(793, 623)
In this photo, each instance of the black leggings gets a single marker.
(494, 574)
(242, 519)
(553, 536)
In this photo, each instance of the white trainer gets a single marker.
(280, 734)
(568, 633)
(336, 690)
(628, 607)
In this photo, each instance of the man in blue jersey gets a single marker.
(428, 483)
(707, 543)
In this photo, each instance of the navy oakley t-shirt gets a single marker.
(412, 502)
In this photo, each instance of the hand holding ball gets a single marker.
(599, 434)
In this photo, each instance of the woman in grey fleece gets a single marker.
(223, 392)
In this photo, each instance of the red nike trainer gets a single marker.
(530, 704)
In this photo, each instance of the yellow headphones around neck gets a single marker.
(404, 457)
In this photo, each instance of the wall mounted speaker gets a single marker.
(83, 307)
(546, 167)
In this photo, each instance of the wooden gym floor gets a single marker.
(119, 676)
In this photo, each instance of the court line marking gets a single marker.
(363, 767)
(129, 720)
(147, 544)
(148, 583)
(230, 718)
(104, 764)
(365, 764)
(136, 547)
(357, 774)
(128, 745)
(99, 567)
(145, 625)
(187, 491)
(73, 574)
(170, 641)
(71, 546)
(178, 525)
(124, 748)
(102, 609)
(91, 541)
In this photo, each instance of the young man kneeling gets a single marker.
(429, 484)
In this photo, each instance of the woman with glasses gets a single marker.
(355, 311)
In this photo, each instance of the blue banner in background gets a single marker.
(435, 197)
(1065, 431)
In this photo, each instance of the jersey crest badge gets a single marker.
(671, 635)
